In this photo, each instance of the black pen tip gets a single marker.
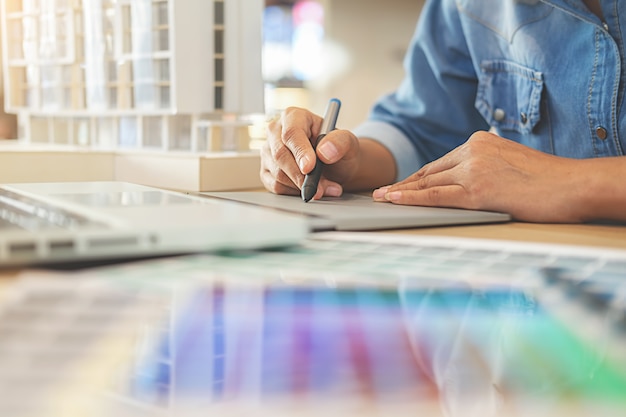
(307, 194)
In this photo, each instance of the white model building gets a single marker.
(169, 75)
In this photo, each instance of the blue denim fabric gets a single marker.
(545, 73)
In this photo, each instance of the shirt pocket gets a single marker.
(509, 95)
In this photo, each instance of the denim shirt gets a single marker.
(546, 73)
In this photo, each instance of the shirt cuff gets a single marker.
(402, 149)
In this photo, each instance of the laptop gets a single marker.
(356, 212)
(43, 223)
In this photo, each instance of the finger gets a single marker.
(453, 196)
(415, 183)
(380, 194)
(271, 184)
(477, 144)
(446, 162)
(278, 157)
(331, 188)
(298, 127)
(337, 145)
(327, 188)
(273, 177)
(438, 179)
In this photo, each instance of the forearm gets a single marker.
(603, 194)
(376, 167)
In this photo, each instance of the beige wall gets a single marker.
(374, 34)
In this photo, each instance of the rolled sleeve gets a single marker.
(407, 159)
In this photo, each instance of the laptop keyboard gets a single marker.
(22, 212)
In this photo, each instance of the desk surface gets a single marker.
(612, 236)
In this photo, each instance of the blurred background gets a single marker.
(317, 49)
(349, 49)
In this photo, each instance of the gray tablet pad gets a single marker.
(360, 212)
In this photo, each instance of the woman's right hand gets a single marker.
(288, 154)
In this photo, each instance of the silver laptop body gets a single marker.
(76, 221)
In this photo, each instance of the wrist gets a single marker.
(601, 193)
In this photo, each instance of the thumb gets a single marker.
(328, 152)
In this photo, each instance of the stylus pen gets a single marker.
(312, 179)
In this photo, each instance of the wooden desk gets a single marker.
(610, 236)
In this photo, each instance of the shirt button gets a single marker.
(601, 133)
(499, 115)
(523, 118)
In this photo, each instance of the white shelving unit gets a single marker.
(134, 75)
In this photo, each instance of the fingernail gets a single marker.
(328, 150)
(302, 163)
(379, 194)
(393, 196)
(333, 191)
